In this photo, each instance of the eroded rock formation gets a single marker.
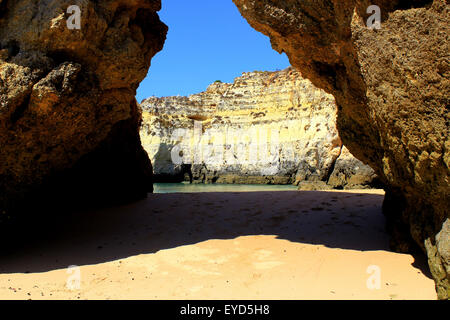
(392, 89)
(69, 121)
(266, 127)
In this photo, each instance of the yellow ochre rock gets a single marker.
(266, 127)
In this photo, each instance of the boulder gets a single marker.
(351, 173)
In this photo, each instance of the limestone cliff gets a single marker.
(69, 122)
(266, 127)
(392, 88)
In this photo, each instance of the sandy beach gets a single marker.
(249, 245)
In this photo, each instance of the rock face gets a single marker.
(69, 122)
(351, 172)
(266, 127)
(391, 86)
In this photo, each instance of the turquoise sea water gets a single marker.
(192, 188)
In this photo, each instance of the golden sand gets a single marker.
(254, 245)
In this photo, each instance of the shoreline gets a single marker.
(305, 245)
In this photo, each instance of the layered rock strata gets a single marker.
(266, 127)
(69, 121)
(391, 82)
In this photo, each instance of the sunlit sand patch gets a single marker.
(302, 256)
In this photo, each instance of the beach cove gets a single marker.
(221, 245)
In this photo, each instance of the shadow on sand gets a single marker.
(163, 221)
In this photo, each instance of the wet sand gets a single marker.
(249, 245)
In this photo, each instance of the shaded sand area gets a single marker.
(249, 245)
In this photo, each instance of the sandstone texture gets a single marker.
(392, 90)
(351, 172)
(69, 121)
(265, 128)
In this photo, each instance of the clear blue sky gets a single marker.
(208, 40)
